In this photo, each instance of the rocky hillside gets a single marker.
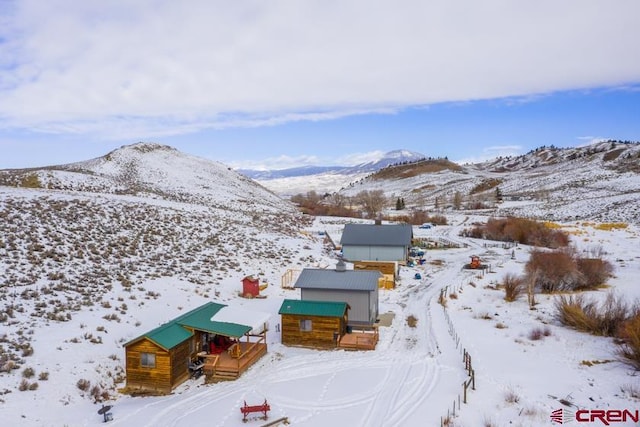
(597, 182)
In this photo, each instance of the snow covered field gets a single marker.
(413, 378)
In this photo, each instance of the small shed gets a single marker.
(316, 324)
(376, 242)
(359, 289)
(250, 287)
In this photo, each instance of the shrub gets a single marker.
(553, 271)
(28, 373)
(24, 385)
(33, 386)
(513, 286)
(412, 321)
(631, 390)
(520, 230)
(538, 333)
(96, 393)
(83, 384)
(511, 396)
(629, 351)
(586, 316)
(594, 272)
(44, 376)
(535, 334)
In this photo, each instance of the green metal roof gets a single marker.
(313, 308)
(168, 335)
(174, 332)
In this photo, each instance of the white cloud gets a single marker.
(155, 67)
(359, 158)
(279, 162)
(285, 161)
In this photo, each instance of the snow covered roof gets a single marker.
(255, 320)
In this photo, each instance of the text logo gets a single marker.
(562, 416)
(604, 417)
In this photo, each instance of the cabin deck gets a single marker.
(230, 364)
(359, 340)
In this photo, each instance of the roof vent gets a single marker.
(341, 266)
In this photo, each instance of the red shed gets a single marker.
(250, 286)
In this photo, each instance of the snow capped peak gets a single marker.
(403, 154)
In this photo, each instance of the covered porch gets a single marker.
(230, 343)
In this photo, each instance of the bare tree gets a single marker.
(457, 200)
(372, 201)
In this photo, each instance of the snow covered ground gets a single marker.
(413, 378)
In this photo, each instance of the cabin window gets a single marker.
(148, 360)
(305, 325)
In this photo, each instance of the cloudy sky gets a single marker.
(281, 83)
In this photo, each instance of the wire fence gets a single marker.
(470, 382)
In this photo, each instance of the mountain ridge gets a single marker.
(389, 158)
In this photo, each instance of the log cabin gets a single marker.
(215, 339)
(315, 324)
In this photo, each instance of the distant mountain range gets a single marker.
(390, 158)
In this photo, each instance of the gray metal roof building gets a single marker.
(376, 242)
(359, 289)
(333, 279)
(377, 234)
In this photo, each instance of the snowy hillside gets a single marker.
(88, 245)
(150, 170)
(597, 182)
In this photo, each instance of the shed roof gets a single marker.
(166, 336)
(317, 278)
(313, 308)
(377, 235)
(178, 330)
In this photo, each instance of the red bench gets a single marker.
(246, 410)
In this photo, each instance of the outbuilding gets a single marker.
(359, 289)
(376, 242)
(316, 324)
(250, 287)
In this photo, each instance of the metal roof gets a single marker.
(201, 320)
(175, 331)
(166, 336)
(313, 308)
(377, 235)
(315, 278)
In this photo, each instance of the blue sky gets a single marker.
(288, 83)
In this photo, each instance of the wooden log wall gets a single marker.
(157, 378)
(321, 334)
